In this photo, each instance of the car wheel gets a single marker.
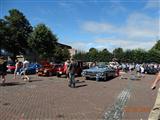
(50, 74)
(87, 78)
(106, 77)
(12, 71)
(58, 75)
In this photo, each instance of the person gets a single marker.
(142, 70)
(17, 69)
(155, 81)
(155, 112)
(72, 71)
(24, 69)
(66, 68)
(3, 69)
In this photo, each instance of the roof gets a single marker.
(64, 46)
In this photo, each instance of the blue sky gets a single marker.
(83, 24)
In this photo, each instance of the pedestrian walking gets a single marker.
(156, 81)
(72, 71)
(66, 68)
(3, 69)
(18, 66)
(155, 112)
(24, 69)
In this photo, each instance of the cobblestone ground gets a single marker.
(50, 98)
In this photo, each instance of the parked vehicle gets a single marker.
(61, 70)
(99, 72)
(80, 66)
(48, 69)
(11, 67)
(151, 70)
(33, 68)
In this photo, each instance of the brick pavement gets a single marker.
(50, 98)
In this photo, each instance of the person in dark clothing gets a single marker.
(72, 71)
(3, 68)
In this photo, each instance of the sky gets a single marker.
(83, 24)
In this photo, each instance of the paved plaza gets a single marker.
(50, 98)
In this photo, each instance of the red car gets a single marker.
(61, 70)
(11, 67)
(48, 69)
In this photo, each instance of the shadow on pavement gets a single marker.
(77, 86)
(12, 84)
(79, 82)
(35, 80)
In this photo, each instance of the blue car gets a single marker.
(33, 68)
(99, 72)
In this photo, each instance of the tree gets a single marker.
(42, 42)
(154, 56)
(118, 54)
(81, 55)
(2, 34)
(93, 54)
(139, 56)
(157, 45)
(61, 54)
(17, 29)
(104, 56)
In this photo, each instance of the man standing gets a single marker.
(25, 66)
(72, 71)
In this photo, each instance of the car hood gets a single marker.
(96, 69)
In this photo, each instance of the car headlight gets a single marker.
(100, 74)
(45, 71)
(83, 73)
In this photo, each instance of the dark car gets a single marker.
(99, 72)
(151, 70)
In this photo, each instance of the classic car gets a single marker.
(100, 72)
(48, 70)
(150, 70)
(11, 67)
(33, 68)
(62, 69)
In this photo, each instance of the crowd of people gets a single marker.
(70, 68)
(20, 69)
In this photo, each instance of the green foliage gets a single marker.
(3, 32)
(153, 56)
(157, 45)
(18, 29)
(61, 55)
(94, 55)
(42, 41)
(118, 54)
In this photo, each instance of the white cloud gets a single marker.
(84, 46)
(125, 44)
(96, 27)
(139, 31)
(140, 25)
(152, 4)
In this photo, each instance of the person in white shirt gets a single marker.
(25, 67)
